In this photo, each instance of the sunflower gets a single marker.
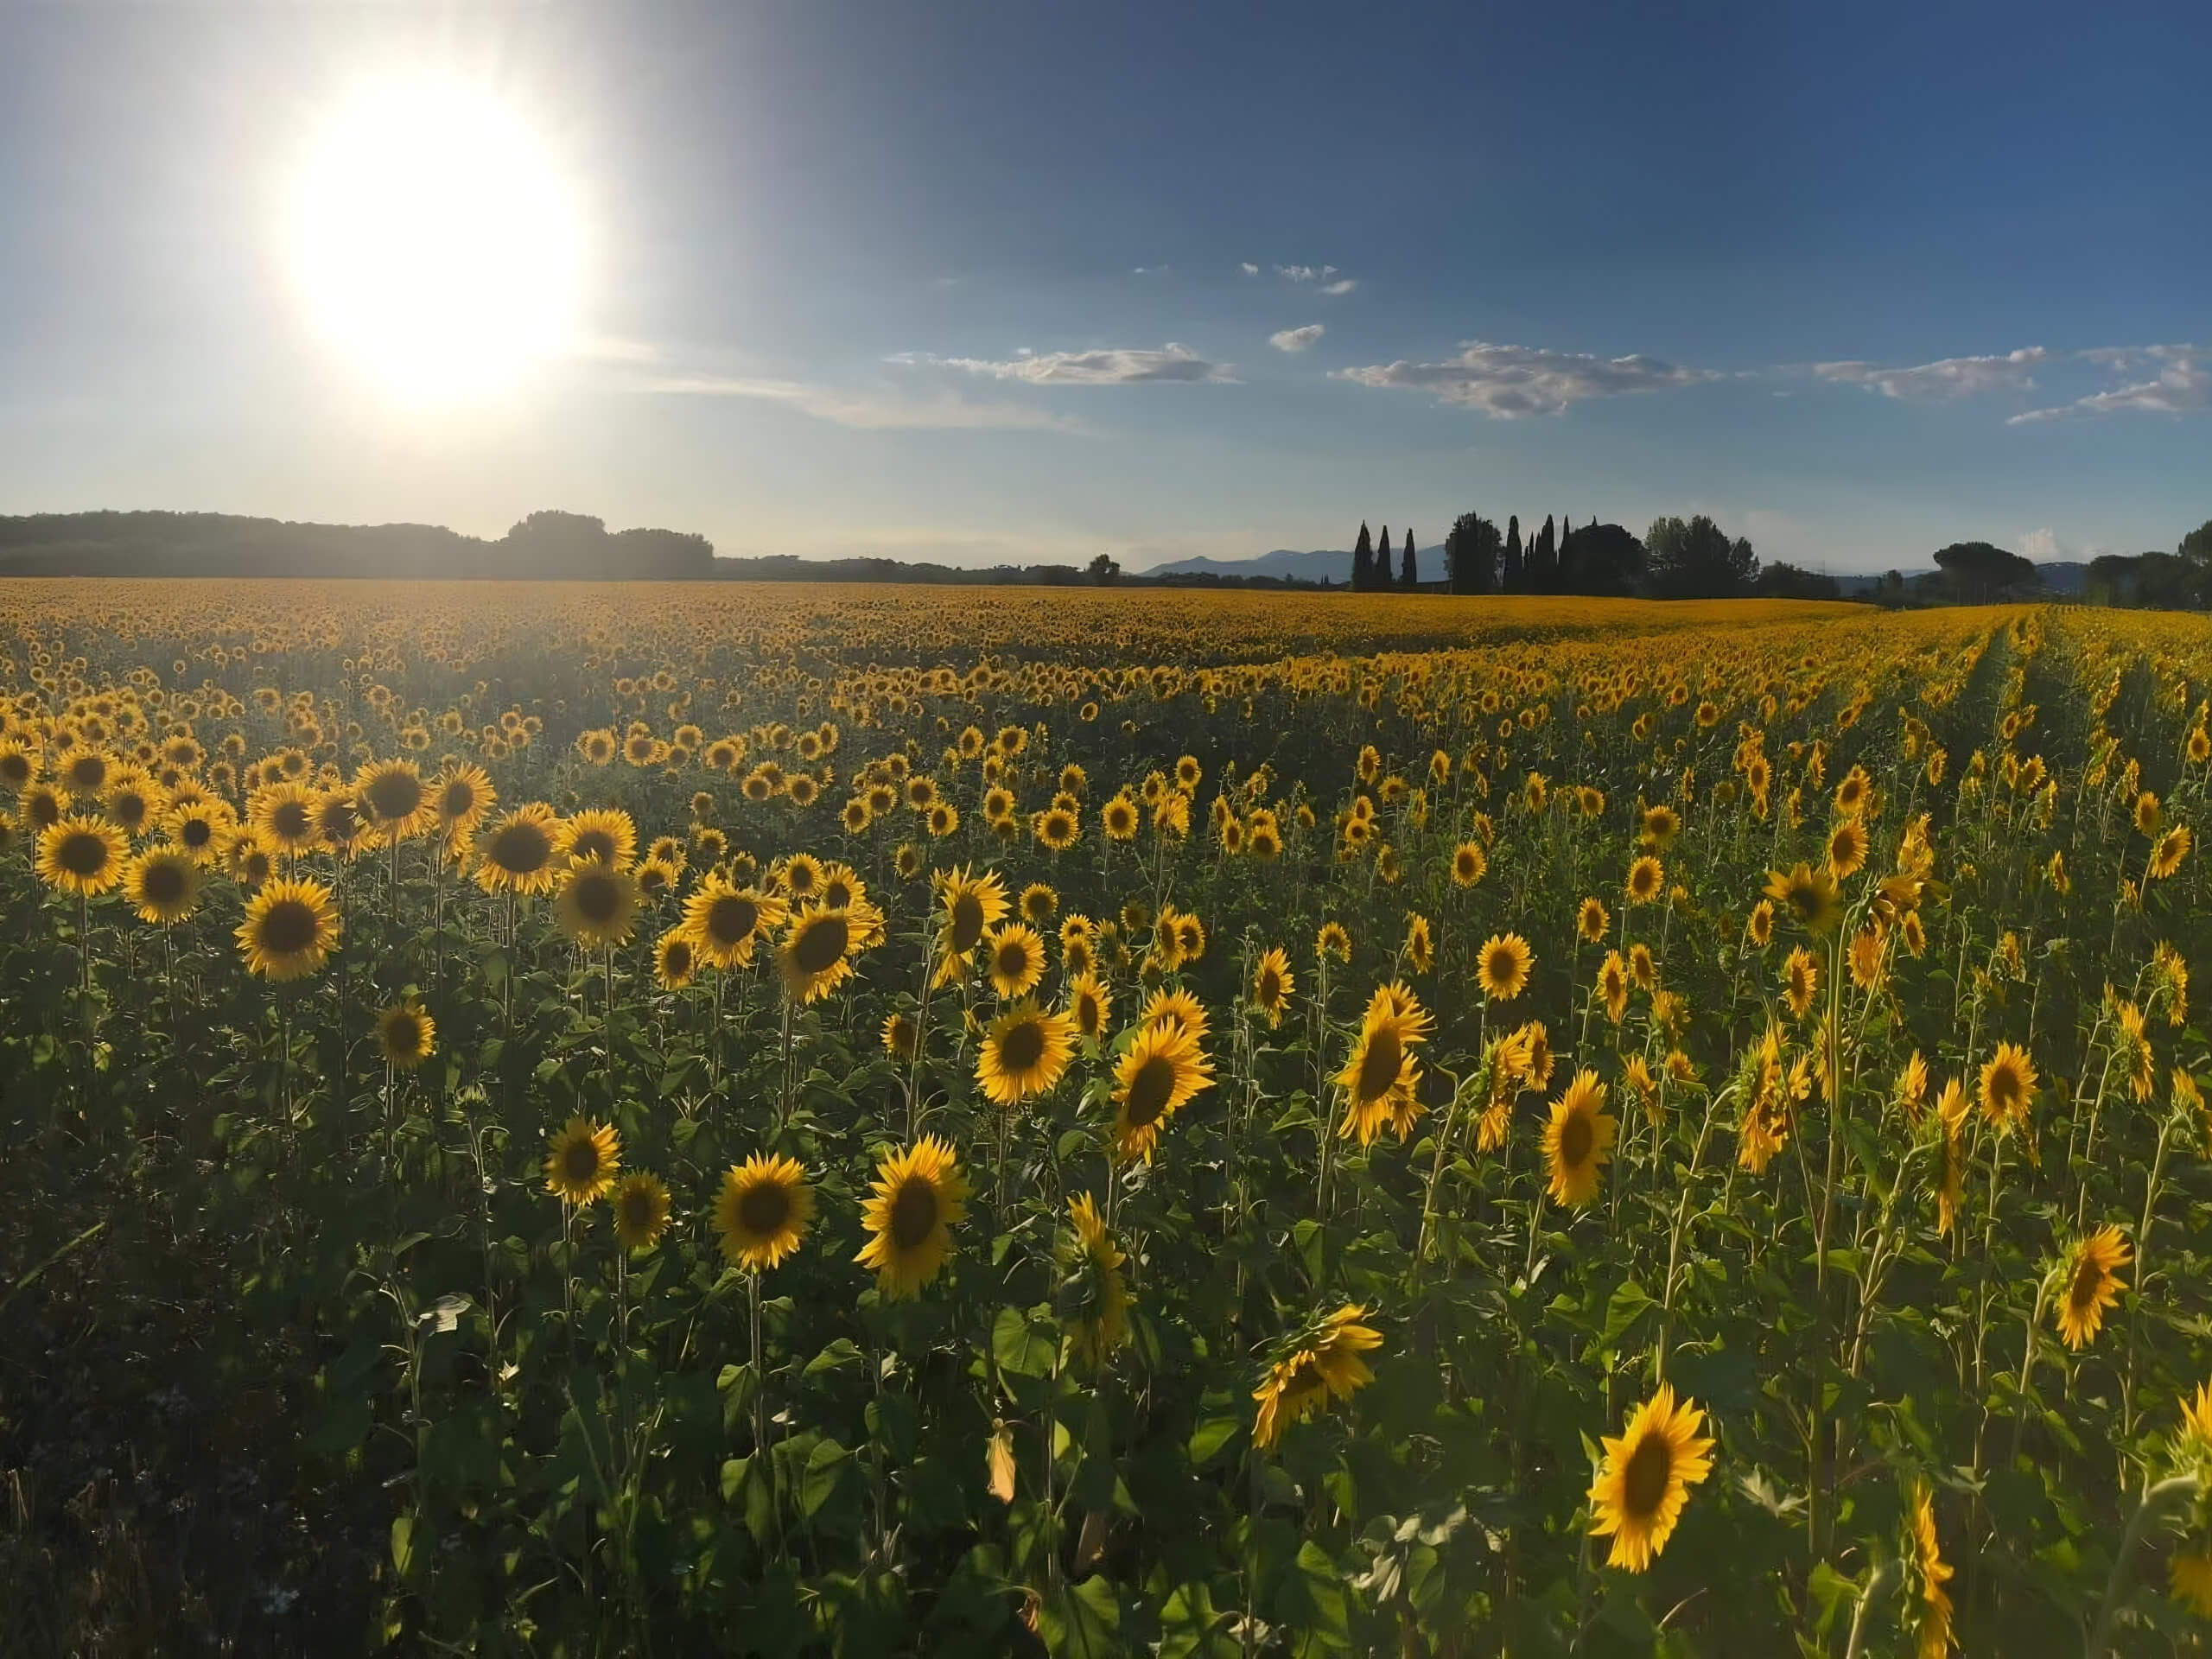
(1177, 1008)
(1015, 957)
(132, 801)
(596, 904)
(1154, 1078)
(1089, 1004)
(900, 1036)
(1646, 1479)
(392, 795)
(2189, 1576)
(1846, 849)
(283, 814)
(1760, 928)
(1502, 967)
(462, 796)
(1272, 985)
(290, 930)
(1469, 864)
(722, 921)
(2167, 857)
(1928, 1572)
(585, 1158)
(2091, 1284)
(919, 1194)
(86, 771)
(339, 825)
(841, 886)
(1613, 985)
(1591, 920)
(598, 835)
(197, 828)
(641, 1209)
(1800, 981)
(676, 959)
(162, 885)
(1119, 818)
(406, 1035)
(1381, 1074)
(43, 805)
(762, 1212)
(1577, 1141)
(1024, 1054)
(81, 855)
(2008, 1086)
(1319, 1363)
(248, 859)
(816, 955)
(517, 854)
(1093, 1298)
(1808, 895)
(1647, 879)
(972, 905)
(19, 765)
(1331, 940)
(1421, 944)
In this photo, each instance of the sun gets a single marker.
(435, 242)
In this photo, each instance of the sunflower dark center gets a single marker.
(1380, 1063)
(393, 795)
(593, 845)
(638, 1211)
(676, 958)
(764, 1209)
(913, 1213)
(128, 808)
(87, 772)
(2004, 1088)
(1012, 959)
(82, 853)
(966, 921)
(288, 927)
(162, 884)
(598, 898)
(520, 849)
(1270, 986)
(16, 767)
(457, 799)
(580, 1162)
(195, 833)
(1643, 1483)
(821, 943)
(731, 919)
(1022, 1047)
(1577, 1136)
(403, 1034)
(1150, 1089)
(2088, 1278)
(837, 895)
(1501, 966)
(289, 820)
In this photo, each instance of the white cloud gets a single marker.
(1248, 269)
(1295, 340)
(1306, 273)
(1949, 377)
(1122, 367)
(2179, 387)
(1344, 286)
(1507, 382)
(2041, 546)
(872, 410)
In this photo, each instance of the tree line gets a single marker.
(1676, 558)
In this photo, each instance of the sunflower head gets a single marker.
(1503, 966)
(81, 855)
(581, 1165)
(290, 930)
(406, 1035)
(1024, 1054)
(1645, 1477)
(763, 1210)
(919, 1196)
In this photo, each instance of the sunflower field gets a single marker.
(567, 1120)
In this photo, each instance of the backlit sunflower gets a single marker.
(81, 855)
(406, 1035)
(2008, 1086)
(1646, 1477)
(1331, 940)
(1090, 1005)
(1381, 1075)
(392, 796)
(1313, 1366)
(816, 955)
(1503, 966)
(2091, 1284)
(162, 885)
(517, 853)
(340, 826)
(598, 835)
(1154, 1078)
(919, 1194)
(1808, 895)
(1578, 1142)
(1927, 1573)
(1272, 985)
(1014, 958)
(1093, 1300)
(722, 920)
(900, 1035)
(290, 929)
(585, 1158)
(762, 1212)
(462, 796)
(972, 904)
(1024, 1054)
(641, 1209)
(283, 814)
(596, 904)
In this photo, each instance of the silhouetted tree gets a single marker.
(1378, 573)
(1780, 581)
(1104, 569)
(1600, 559)
(2198, 544)
(1980, 573)
(1516, 579)
(1471, 554)
(1696, 560)
(1543, 561)
(1362, 559)
(1409, 576)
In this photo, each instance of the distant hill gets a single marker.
(1322, 564)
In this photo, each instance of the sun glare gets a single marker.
(435, 243)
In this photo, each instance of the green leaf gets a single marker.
(1627, 1305)
(1023, 1344)
(403, 1543)
(826, 1466)
(1212, 1435)
(1084, 1621)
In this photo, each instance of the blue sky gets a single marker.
(1027, 282)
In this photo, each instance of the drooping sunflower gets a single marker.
(1808, 895)
(1090, 1005)
(596, 904)
(517, 853)
(1317, 1363)
(2091, 1284)
(641, 1207)
(1503, 966)
(603, 835)
(816, 955)
(1014, 958)
(1579, 1141)
(394, 799)
(2008, 1086)
(919, 1194)
(290, 929)
(1272, 985)
(406, 1035)
(1155, 1078)
(1381, 1074)
(724, 920)
(162, 885)
(1646, 1477)
(763, 1211)
(1093, 1298)
(81, 855)
(583, 1161)
(1928, 1573)
(1024, 1054)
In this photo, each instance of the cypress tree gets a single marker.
(1378, 573)
(1363, 556)
(1515, 577)
(1408, 577)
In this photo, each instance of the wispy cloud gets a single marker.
(2180, 387)
(1173, 363)
(1248, 269)
(1306, 273)
(1947, 379)
(877, 409)
(1342, 285)
(1295, 340)
(1507, 382)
